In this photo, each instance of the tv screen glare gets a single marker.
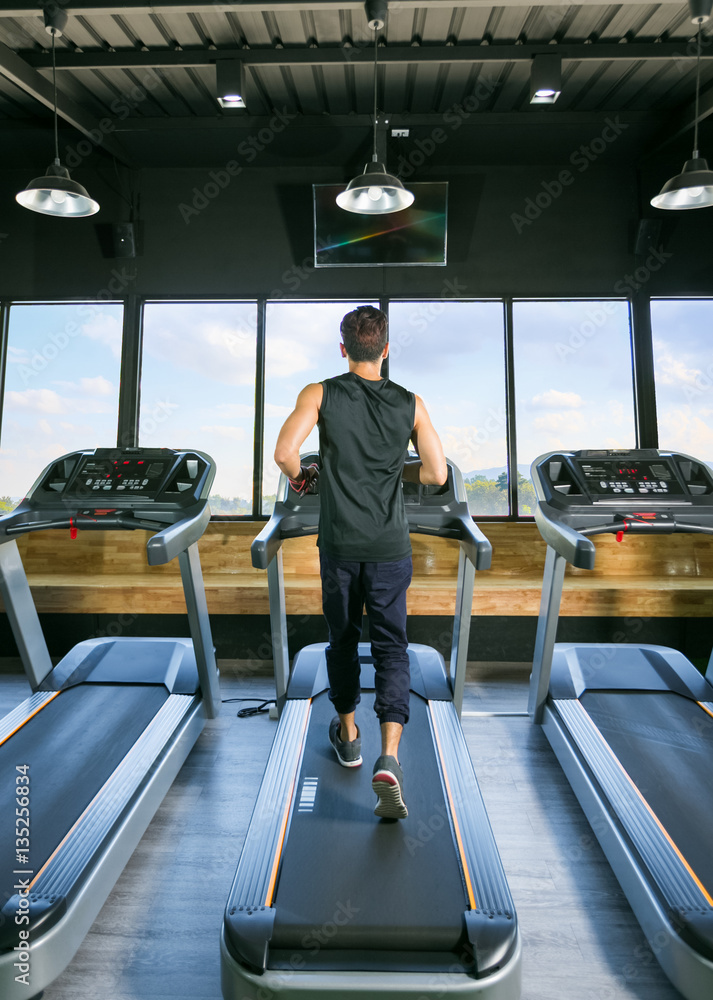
(413, 236)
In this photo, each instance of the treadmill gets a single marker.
(330, 901)
(87, 759)
(632, 725)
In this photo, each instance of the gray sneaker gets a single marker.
(388, 783)
(348, 751)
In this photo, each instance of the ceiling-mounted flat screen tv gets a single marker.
(414, 236)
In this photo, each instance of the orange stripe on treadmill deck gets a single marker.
(283, 830)
(459, 840)
(30, 716)
(707, 710)
(655, 818)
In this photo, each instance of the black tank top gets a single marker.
(364, 431)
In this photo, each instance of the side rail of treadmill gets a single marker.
(674, 909)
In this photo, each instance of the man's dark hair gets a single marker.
(364, 333)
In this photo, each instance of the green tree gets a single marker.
(527, 501)
(7, 504)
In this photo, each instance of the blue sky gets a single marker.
(62, 386)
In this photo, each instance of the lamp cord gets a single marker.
(376, 42)
(698, 91)
(54, 86)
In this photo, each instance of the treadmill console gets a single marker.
(126, 476)
(116, 475)
(633, 490)
(620, 478)
(616, 477)
(115, 488)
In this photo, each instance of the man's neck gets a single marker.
(370, 370)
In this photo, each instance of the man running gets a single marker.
(365, 425)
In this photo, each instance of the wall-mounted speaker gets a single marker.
(648, 236)
(124, 239)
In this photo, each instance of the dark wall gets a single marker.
(523, 231)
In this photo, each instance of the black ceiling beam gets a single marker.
(37, 86)
(340, 56)
(238, 121)
(680, 122)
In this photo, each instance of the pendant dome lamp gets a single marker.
(56, 193)
(375, 192)
(693, 187)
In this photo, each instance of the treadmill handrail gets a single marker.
(166, 544)
(267, 542)
(575, 547)
(475, 544)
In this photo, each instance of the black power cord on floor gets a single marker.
(246, 713)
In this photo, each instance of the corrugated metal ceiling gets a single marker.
(171, 49)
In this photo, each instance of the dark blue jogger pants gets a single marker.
(347, 588)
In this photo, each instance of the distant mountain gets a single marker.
(524, 470)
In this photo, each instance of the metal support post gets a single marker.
(278, 627)
(22, 615)
(461, 628)
(199, 624)
(552, 582)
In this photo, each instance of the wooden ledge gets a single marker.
(107, 573)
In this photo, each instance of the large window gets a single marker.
(301, 346)
(198, 389)
(573, 381)
(61, 387)
(572, 376)
(683, 366)
(452, 354)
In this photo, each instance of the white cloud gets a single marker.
(215, 349)
(107, 330)
(235, 411)
(473, 448)
(273, 410)
(558, 423)
(49, 401)
(38, 400)
(98, 386)
(226, 431)
(681, 430)
(671, 368)
(18, 355)
(554, 399)
(289, 355)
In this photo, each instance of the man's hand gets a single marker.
(306, 482)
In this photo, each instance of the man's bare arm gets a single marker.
(297, 428)
(432, 469)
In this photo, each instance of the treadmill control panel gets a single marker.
(607, 477)
(115, 488)
(623, 491)
(125, 476)
(121, 475)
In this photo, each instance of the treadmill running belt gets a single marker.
(71, 746)
(352, 881)
(665, 743)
